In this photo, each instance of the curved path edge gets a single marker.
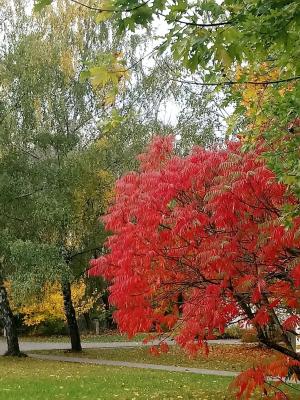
(169, 368)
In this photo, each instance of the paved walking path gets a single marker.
(32, 346)
(29, 346)
(157, 367)
(170, 368)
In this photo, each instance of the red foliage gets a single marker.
(207, 229)
(252, 379)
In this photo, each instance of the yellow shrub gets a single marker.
(51, 306)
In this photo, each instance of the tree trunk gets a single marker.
(71, 317)
(6, 315)
(108, 317)
(296, 371)
(88, 321)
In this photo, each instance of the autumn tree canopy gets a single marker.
(76, 107)
(227, 45)
(199, 242)
(49, 305)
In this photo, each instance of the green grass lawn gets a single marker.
(28, 379)
(221, 357)
(110, 336)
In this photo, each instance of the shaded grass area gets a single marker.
(220, 357)
(28, 379)
(109, 336)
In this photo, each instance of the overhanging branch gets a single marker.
(100, 10)
(232, 83)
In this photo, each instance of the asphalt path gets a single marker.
(169, 368)
(32, 346)
(26, 346)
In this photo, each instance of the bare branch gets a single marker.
(100, 10)
(232, 83)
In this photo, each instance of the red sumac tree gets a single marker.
(200, 241)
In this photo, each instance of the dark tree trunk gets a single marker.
(110, 324)
(88, 321)
(71, 317)
(266, 336)
(296, 371)
(7, 317)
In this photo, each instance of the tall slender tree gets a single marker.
(49, 118)
(66, 131)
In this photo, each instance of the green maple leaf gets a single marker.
(40, 4)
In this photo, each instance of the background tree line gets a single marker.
(77, 105)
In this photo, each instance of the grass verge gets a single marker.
(28, 379)
(107, 337)
(220, 357)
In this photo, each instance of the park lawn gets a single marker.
(110, 336)
(29, 379)
(220, 357)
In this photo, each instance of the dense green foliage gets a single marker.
(226, 45)
(48, 119)
(214, 35)
(77, 105)
(215, 39)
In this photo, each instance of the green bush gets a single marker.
(50, 327)
(249, 336)
(233, 332)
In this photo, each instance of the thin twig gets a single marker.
(201, 25)
(276, 388)
(231, 83)
(100, 10)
